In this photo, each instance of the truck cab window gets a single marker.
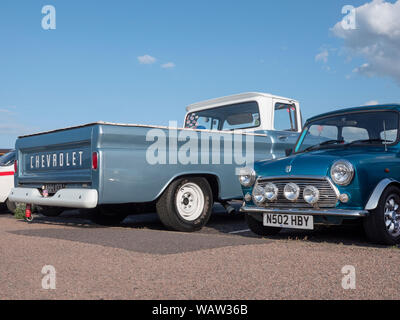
(285, 117)
(231, 117)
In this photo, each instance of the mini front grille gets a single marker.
(328, 194)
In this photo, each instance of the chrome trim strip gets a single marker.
(376, 195)
(308, 212)
(334, 187)
(262, 179)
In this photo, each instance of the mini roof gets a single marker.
(231, 99)
(393, 106)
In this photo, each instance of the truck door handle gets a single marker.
(283, 138)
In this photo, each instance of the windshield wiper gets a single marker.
(325, 143)
(369, 141)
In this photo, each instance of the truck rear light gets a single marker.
(15, 166)
(95, 160)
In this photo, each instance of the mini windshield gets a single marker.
(367, 128)
(7, 159)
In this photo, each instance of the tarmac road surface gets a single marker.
(140, 260)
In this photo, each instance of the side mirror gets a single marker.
(288, 152)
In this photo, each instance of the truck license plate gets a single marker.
(289, 221)
(53, 188)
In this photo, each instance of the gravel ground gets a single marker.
(140, 260)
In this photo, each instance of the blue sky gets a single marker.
(87, 69)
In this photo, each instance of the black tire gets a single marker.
(50, 211)
(11, 206)
(105, 215)
(374, 225)
(259, 229)
(169, 213)
(3, 207)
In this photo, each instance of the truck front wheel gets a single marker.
(186, 205)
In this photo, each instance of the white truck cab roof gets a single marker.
(270, 107)
(237, 98)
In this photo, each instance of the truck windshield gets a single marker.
(231, 117)
(366, 128)
(7, 159)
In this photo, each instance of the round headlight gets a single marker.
(247, 177)
(271, 192)
(258, 195)
(311, 195)
(291, 191)
(342, 172)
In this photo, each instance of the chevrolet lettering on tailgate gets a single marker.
(56, 160)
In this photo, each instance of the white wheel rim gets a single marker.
(190, 201)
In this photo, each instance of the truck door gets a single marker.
(287, 125)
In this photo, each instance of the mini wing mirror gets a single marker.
(288, 152)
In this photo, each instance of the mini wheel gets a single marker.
(383, 224)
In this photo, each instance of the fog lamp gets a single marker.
(271, 192)
(311, 194)
(291, 191)
(258, 195)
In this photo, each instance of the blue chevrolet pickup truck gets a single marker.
(114, 170)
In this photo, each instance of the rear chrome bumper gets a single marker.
(66, 198)
(307, 212)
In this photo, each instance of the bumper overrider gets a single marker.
(66, 198)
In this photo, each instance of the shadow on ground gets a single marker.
(223, 224)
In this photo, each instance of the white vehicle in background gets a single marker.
(7, 179)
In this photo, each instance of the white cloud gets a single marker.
(168, 65)
(146, 59)
(376, 39)
(322, 56)
(371, 103)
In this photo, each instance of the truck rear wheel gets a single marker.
(258, 228)
(50, 211)
(186, 205)
(105, 215)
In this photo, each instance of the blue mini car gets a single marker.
(345, 166)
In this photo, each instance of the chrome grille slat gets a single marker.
(328, 196)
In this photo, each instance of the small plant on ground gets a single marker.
(19, 213)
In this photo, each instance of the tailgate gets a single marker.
(56, 157)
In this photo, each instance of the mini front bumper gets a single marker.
(307, 212)
(66, 198)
